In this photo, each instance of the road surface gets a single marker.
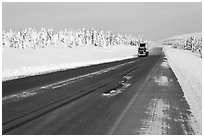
(134, 96)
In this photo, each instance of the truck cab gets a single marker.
(142, 50)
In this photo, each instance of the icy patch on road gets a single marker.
(127, 77)
(164, 63)
(121, 86)
(160, 117)
(115, 92)
(156, 124)
(162, 80)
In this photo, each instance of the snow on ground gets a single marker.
(188, 69)
(18, 63)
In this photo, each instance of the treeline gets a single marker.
(191, 43)
(31, 38)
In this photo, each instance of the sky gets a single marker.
(153, 20)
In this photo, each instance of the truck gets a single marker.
(143, 50)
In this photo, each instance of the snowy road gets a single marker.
(135, 96)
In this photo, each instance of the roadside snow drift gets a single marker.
(18, 63)
(188, 69)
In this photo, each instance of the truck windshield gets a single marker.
(142, 45)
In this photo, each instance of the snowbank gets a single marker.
(18, 63)
(188, 69)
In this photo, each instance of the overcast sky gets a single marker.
(154, 20)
